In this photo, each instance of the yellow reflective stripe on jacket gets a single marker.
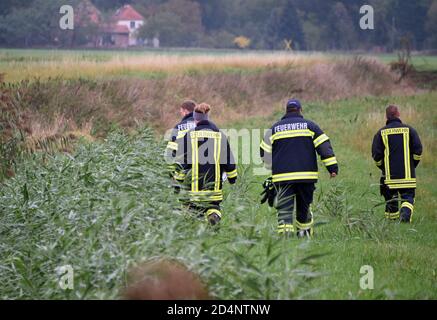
(205, 196)
(406, 141)
(218, 177)
(386, 155)
(398, 181)
(330, 161)
(378, 163)
(295, 176)
(320, 139)
(291, 134)
(402, 186)
(172, 146)
(266, 147)
(182, 134)
(195, 165)
(232, 174)
(417, 157)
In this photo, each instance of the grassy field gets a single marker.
(17, 64)
(108, 204)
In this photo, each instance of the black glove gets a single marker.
(383, 187)
(269, 192)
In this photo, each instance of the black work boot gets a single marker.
(214, 219)
(305, 234)
(405, 217)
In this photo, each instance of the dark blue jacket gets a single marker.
(397, 151)
(204, 154)
(290, 148)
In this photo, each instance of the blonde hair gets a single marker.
(203, 108)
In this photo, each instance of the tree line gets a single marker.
(257, 24)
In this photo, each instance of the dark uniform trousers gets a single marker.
(398, 198)
(204, 210)
(291, 196)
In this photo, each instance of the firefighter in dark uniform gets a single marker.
(289, 150)
(204, 156)
(187, 123)
(397, 151)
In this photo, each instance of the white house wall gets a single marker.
(132, 31)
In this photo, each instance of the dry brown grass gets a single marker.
(368, 124)
(73, 108)
(70, 67)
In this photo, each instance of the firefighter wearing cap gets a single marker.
(204, 155)
(289, 150)
(397, 151)
(187, 123)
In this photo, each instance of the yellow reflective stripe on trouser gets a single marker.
(304, 226)
(172, 146)
(295, 176)
(408, 205)
(320, 139)
(212, 211)
(417, 157)
(330, 161)
(292, 134)
(232, 174)
(179, 176)
(285, 228)
(378, 163)
(266, 147)
(392, 215)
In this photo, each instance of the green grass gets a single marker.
(402, 256)
(109, 206)
(420, 62)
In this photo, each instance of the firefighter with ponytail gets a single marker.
(204, 157)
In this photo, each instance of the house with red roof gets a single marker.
(122, 31)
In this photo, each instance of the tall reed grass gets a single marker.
(68, 66)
